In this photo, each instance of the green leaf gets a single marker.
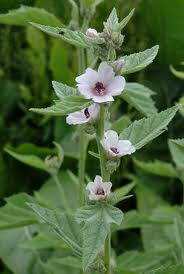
(112, 21)
(75, 38)
(178, 232)
(133, 219)
(16, 213)
(158, 168)
(120, 124)
(97, 220)
(174, 269)
(138, 61)
(140, 261)
(63, 90)
(177, 151)
(68, 105)
(63, 224)
(145, 130)
(24, 15)
(30, 160)
(119, 194)
(18, 259)
(125, 21)
(68, 261)
(139, 97)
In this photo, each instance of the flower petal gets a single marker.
(107, 187)
(116, 86)
(94, 110)
(98, 180)
(85, 90)
(90, 77)
(112, 136)
(125, 147)
(105, 73)
(102, 98)
(76, 118)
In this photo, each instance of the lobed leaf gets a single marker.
(138, 61)
(145, 130)
(97, 220)
(139, 97)
(25, 14)
(63, 224)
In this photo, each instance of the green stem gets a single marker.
(83, 144)
(106, 177)
(60, 189)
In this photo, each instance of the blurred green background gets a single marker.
(30, 60)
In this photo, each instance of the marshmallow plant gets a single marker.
(101, 84)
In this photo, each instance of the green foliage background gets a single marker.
(29, 60)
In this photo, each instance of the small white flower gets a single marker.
(92, 33)
(98, 190)
(83, 116)
(116, 147)
(101, 85)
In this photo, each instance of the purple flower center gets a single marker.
(100, 191)
(86, 113)
(99, 88)
(114, 150)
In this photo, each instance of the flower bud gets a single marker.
(53, 164)
(118, 65)
(92, 33)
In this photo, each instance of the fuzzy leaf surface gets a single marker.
(63, 224)
(75, 38)
(96, 221)
(138, 61)
(145, 130)
(125, 21)
(139, 97)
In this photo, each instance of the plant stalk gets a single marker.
(60, 189)
(106, 177)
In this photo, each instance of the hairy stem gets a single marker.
(106, 177)
(60, 189)
(83, 144)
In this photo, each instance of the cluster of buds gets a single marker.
(53, 163)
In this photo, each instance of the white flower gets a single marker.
(98, 190)
(116, 147)
(83, 116)
(101, 85)
(92, 33)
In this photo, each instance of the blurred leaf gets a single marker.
(75, 38)
(174, 269)
(139, 97)
(138, 61)
(145, 130)
(140, 261)
(119, 194)
(97, 220)
(63, 90)
(62, 223)
(16, 213)
(179, 74)
(18, 259)
(158, 167)
(177, 151)
(120, 124)
(165, 24)
(30, 160)
(24, 15)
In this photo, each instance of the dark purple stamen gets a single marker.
(99, 87)
(100, 191)
(114, 150)
(86, 113)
